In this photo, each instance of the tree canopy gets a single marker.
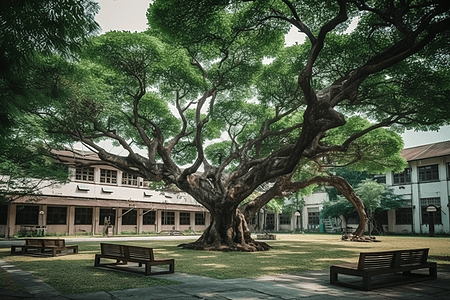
(217, 120)
(32, 33)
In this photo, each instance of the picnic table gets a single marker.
(41, 246)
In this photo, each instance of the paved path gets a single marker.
(312, 285)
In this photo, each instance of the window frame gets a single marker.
(108, 176)
(85, 174)
(129, 179)
(167, 216)
(431, 176)
(32, 215)
(200, 219)
(127, 219)
(83, 215)
(185, 218)
(403, 177)
(105, 212)
(403, 215)
(285, 220)
(148, 217)
(312, 217)
(55, 215)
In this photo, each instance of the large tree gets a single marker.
(206, 59)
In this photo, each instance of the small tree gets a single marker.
(375, 196)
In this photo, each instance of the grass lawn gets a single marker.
(290, 254)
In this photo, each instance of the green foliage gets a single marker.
(375, 197)
(352, 177)
(32, 31)
(376, 152)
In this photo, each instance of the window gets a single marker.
(84, 174)
(130, 218)
(381, 217)
(404, 177)
(108, 176)
(149, 217)
(403, 216)
(83, 215)
(56, 215)
(285, 220)
(109, 214)
(313, 217)
(270, 221)
(129, 179)
(27, 215)
(168, 218)
(3, 214)
(185, 218)
(199, 219)
(428, 173)
(424, 203)
(380, 179)
(353, 218)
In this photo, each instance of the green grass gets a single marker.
(8, 284)
(290, 254)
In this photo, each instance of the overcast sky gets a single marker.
(130, 15)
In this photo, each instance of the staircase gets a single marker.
(329, 226)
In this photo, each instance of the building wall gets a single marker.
(97, 195)
(416, 190)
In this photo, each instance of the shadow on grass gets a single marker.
(76, 274)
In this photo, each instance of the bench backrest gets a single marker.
(135, 252)
(392, 259)
(412, 257)
(376, 260)
(112, 250)
(54, 242)
(34, 242)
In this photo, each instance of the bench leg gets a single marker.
(54, 252)
(172, 268)
(433, 272)
(367, 282)
(333, 276)
(148, 269)
(97, 260)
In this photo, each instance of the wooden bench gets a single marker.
(56, 246)
(124, 254)
(399, 262)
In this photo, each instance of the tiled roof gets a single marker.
(76, 154)
(427, 151)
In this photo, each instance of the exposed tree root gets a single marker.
(355, 238)
(251, 246)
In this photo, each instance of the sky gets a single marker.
(130, 15)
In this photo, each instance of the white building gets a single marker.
(97, 193)
(426, 181)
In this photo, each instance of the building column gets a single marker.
(192, 220)
(177, 220)
(96, 220)
(140, 219)
(158, 220)
(118, 222)
(71, 219)
(415, 198)
(11, 221)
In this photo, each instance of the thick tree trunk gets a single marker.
(228, 231)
